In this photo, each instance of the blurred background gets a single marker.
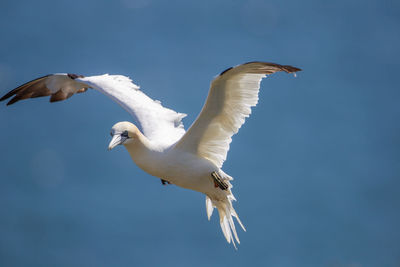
(317, 165)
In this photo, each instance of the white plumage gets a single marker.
(192, 160)
(159, 124)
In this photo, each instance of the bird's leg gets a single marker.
(218, 182)
(164, 182)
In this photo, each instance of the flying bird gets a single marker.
(158, 143)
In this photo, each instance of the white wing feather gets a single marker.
(229, 102)
(159, 124)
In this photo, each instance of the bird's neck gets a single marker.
(146, 154)
(141, 144)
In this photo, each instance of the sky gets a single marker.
(316, 166)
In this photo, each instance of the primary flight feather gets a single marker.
(159, 145)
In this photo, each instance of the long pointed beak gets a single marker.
(115, 141)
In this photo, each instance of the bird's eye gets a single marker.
(111, 133)
(125, 134)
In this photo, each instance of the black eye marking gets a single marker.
(111, 133)
(125, 134)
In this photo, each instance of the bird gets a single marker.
(158, 142)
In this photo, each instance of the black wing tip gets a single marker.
(15, 91)
(12, 101)
(286, 68)
(8, 95)
(74, 76)
(4, 97)
(222, 73)
(290, 69)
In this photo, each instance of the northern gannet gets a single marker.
(161, 147)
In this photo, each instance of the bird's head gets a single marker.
(122, 133)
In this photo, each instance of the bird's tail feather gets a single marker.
(226, 214)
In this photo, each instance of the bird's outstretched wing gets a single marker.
(159, 124)
(229, 102)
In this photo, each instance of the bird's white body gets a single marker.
(161, 147)
(178, 167)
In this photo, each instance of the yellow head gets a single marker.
(123, 133)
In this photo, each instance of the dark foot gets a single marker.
(164, 182)
(218, 182)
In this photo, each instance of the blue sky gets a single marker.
(316, 166)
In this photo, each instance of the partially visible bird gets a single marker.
(160, 146)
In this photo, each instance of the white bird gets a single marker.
(191, 160)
